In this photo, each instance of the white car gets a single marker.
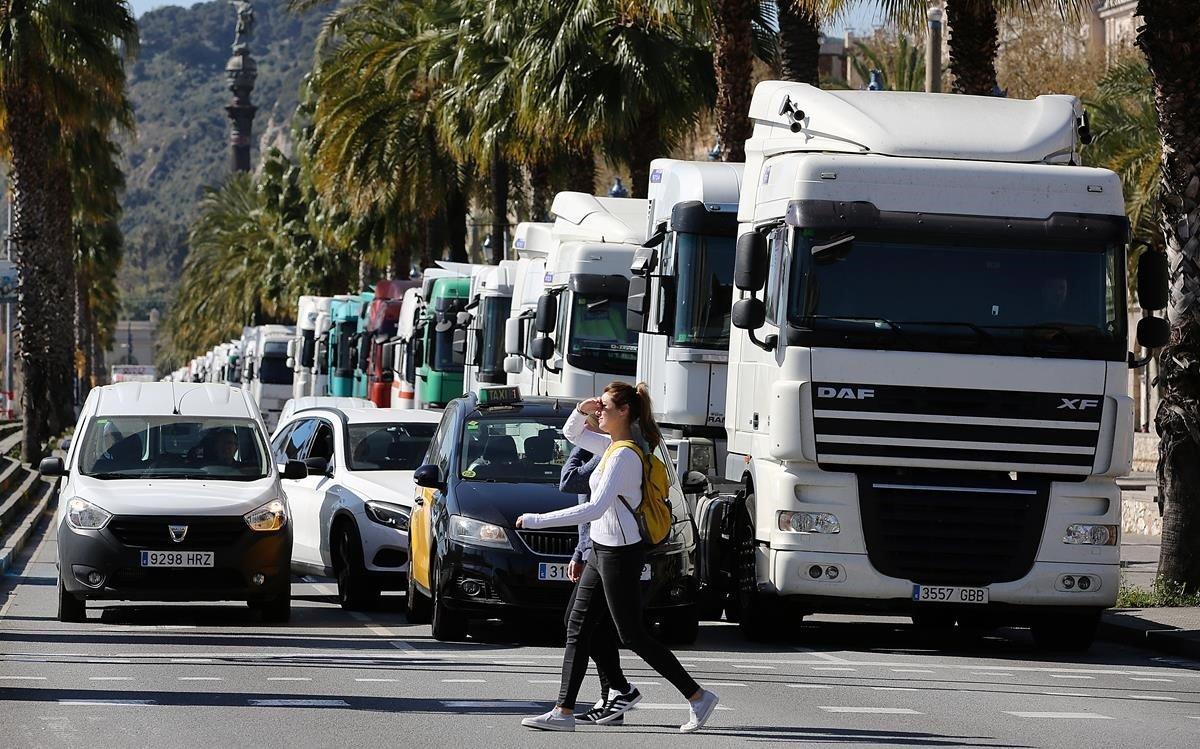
(306, 402)
(350, 514)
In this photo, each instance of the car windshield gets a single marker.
(1041, 299)
(704, 291)
(599, 340)
(513, 448)
(389, 447)
(177, 447)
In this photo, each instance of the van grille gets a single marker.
(202, 532)
(551, 543)
(182, 579)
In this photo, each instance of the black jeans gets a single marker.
(612, 581)
(603, 648)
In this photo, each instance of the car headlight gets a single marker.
(1091, 535)
(393, 516)
(82, 515)
(477, 532)
(809, 522)
(270, 517)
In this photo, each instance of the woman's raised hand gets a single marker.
(591, 406)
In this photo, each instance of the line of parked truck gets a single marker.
(887, 352)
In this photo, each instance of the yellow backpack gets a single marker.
(653, 515)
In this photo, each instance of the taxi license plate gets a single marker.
(177, 558)
(949, 594)
(558, 571)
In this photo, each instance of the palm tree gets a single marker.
(902, 64)
(1168, 39)
(799, 40)
(60, 60)
(733, 60)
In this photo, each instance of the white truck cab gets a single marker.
(926, 405)
(532, 242)
(302, 349)
(266, 371)
(486, 315)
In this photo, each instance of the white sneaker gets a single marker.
(551, 721)
(701, 710)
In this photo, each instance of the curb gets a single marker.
(1140, 633)
(21, 536)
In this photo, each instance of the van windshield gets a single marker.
(173, 447)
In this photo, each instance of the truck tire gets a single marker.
(70, 608)
(355, 590)
(1066, 633)
(756, 614)
(447, 625)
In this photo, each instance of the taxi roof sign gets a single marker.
(502, 395)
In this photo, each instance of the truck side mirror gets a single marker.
(750, 263)
(749, 314)
(1153, 332)
(458, 342)
(512, 337)
(1153, 280)
(463, 319)
(636, 305)
(513, 364)
(547, 313)
(541, 348)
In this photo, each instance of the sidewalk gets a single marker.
(1171, 630)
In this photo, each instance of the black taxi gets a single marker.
(496, 455)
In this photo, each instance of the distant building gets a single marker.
(1113, 26)
(831, 64)
(134, 342)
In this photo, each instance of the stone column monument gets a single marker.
(241, 71)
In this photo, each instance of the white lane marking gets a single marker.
(669, 706)
(201, 678)
(1065, 694)
(192, 660)
(1070, 676)
(491, 703)
(377, 680)
(514, 663)
(912, 671)
(106, 702)
(810, 686)
(289, 678)
(326, 589)
(870, 710)
(723, 684)
(753, 666)
(402, 645)
(23, 678)
(832, 668)
(1155, 697)
(894, 689)
(543, 681)
(108, 660)
(1060, 716)
(299, 703)
(464, 681)
(990, 673)
(110, 678)
(818, 654)
(1151, 678)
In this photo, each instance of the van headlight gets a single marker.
(269, 517)
(477, 532)
(393, 516)
(82, 515)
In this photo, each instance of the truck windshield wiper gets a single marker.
(895, 328)
(977, 329)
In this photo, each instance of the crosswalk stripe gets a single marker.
(1060, 716)
(1156, 697)
(103, 702)
(871, 710)
(299, 703)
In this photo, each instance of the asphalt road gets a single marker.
(212, 676)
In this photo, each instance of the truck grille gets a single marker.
(888, 425)
(550, 543)
(152, 533)
(954, 532)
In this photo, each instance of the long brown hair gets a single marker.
(638, 401)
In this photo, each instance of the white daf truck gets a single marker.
(582, 341)
(532, 242)
(302, 348)
(926, 404)
(483, 322)
(266, 373)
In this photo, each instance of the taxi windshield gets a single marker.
(513, 448)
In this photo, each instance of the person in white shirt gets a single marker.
(612, 576)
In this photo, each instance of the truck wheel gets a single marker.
(355, 591)
(1068, 633)
(70, 608)
(755, 612)
(416, 604)
(447, 625)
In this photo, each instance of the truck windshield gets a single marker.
(173, 447)
(494, 310)
(704, 290)
(599, 340)
(389, 447)
(513, 448)
(964, 296)
(273, 370)
(444, 358)
(343, 359)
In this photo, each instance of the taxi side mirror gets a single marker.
(429, 476)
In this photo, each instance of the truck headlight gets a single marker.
(1091, 535)
(82, 515)
(270, 517)
(393, 516)
(701, 457)
(809, 522)
(477, 532)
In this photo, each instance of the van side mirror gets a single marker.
(513, 364)
(429, 476)
(1153, 280)
(541, 348)
(295, 470)
(52, 466)
(547, 313)
(749, 314)
(750, 263)
(1153, 332)
(316, 466)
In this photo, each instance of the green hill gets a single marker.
(179, 93)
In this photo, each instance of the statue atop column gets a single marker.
(245, 24)
(241, 72)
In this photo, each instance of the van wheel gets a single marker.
(1068, 633)
(275, 610)
(756, 613)
(70, 608)
(416, 603)
(447, 625)
(355, 591)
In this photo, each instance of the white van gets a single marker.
(169, 494)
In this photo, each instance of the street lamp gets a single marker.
(618, 189)
(933, 51)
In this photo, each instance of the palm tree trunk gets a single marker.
(799, 43)
(499, 183)
(401, 260)
(1168, 39)
(580, 168)
(973, 43)
(63, 338)
(81, 331)
(733, 43)
(539, 184)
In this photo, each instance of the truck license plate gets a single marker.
(948, 594)
(558, 571)
(177, 558)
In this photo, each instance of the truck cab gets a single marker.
(383, 316)
(680, 299)
(926, 406)
(340, 351)
(302, 348)
(532, 242)
(582, 340)
(267, 374)
(439, 366)
(486, 317)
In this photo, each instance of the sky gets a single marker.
(862, 18)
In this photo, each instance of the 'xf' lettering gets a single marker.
(1078, 404)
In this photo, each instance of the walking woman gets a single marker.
(612, 576)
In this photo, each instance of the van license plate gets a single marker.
(948, 594)
(177, 558)
(558, 571)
